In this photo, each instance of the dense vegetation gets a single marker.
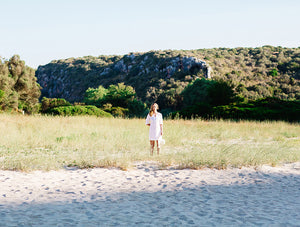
(62, 107)
(162, 75)
(18, 86)
(119, 100)
(241, 83)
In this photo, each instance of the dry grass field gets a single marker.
(47, 143)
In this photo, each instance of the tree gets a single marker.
(19, 84)
(50, 103)
(137, 108)
(220, 93)
(170, 99)
(95, 96)
(119, 95)
(196, 92)
(120, 100)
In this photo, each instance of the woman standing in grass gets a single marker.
(155, 121)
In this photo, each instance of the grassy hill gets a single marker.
(162, 75)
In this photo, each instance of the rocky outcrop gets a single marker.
(70, 78)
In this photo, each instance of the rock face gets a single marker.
(70, 78)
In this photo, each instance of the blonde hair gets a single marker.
(151, 109)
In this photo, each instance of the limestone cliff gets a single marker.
(161, 75)
(70, 78)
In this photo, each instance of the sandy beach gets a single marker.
(147, 196)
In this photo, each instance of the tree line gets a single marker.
(203, 98)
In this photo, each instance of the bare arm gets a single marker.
(148, 120)
(161, 125)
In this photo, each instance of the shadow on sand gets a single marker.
(272, 203)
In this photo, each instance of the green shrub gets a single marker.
(200, 109)
(49, 103)
(78, 110)
(119, 111)
(262, 109)
(137, 108)
(196, 92)
(95, 96)
(119, 95)
(2, 93)
(118, 99)
(220, 93)
(273, 72)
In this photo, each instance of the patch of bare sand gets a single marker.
(147, 196)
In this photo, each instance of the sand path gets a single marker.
(146, 196)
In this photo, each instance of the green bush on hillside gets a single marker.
(137, 108)
(119, 111)
(78, 110)
(263, 109)
(196, 92)
(2, 93)
(119, 95)
(273, 72)
(119, 100)
(95, 96)
(213, 92)
(49, 103)
(220, 93)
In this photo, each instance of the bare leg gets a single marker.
(152, 143)
(158, 147)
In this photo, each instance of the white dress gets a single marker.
(155, 122)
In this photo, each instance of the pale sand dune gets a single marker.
(145, 196)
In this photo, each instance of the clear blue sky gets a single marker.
(44, 30)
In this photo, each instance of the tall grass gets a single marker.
(46, 143)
